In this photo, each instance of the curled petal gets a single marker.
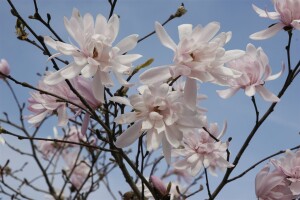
(225, 94)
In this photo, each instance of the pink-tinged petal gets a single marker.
(181, 165)
(267, 33)
(209, 31)
(185, 30)
(147, 124)
(37, 118)
(98, 88)
(85, 123)
(167, 150)
(231, 54)
(266, 94)
(225, 94)
(153, 140)
(62, 116)
(88, 22)
(190, 93)
(264, 13)
(250, 90)
(164, 37)
(127, 43)
(295, 188)
(54, 78)
(127, 59)
(126, 118)
(275, 76)
(130, 135)
(121, 100)
(70, 71)
(223, 130)
(106, 79)
(89, 70)
(155, 75)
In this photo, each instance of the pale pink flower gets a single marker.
(199, 55)
(95, 57)
(42, 104)
(272, 185)
(79, 171)
(161, 113)
(286, 11)
(255, 69)
(161, 186)
(199, 149)
(4, 68)
(289, 165)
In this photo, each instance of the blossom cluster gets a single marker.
(283, 182)
(165, 109)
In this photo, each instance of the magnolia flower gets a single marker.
(255, 69)
(43, 104)
(78, 172)
(199, 55)
(161, 113)
(4, 68)
(48, 148)
(161, 187)
(95, 57)
(289, 165)
(286, 11)
(272, 185)
(199, 149)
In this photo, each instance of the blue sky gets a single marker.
(279, 132)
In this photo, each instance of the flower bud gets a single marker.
(4, 68)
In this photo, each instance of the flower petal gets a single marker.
(267, 33)
(164, 37)
(155, 75)
(266, 94)
(130, 135)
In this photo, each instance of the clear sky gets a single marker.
(280, 131)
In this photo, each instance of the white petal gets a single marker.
(37, 118)
(227, 93)
(167, 149)
(275, 76)
(190, 93)
(127, 59)
(250, 90)
(266, 94)
(127, 43)
(267, 33)
(89, 70)
(70, 71)
(98, 88)
(264, 13)
(126, 118)
(54, 78)
(130, 135)
(155, 75)
(121, 100)
(164, 37)
(173, 135)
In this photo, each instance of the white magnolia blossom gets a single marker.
(200, 149)
(159, 111)
(255, 69)
(199, 55)
(94, 56)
